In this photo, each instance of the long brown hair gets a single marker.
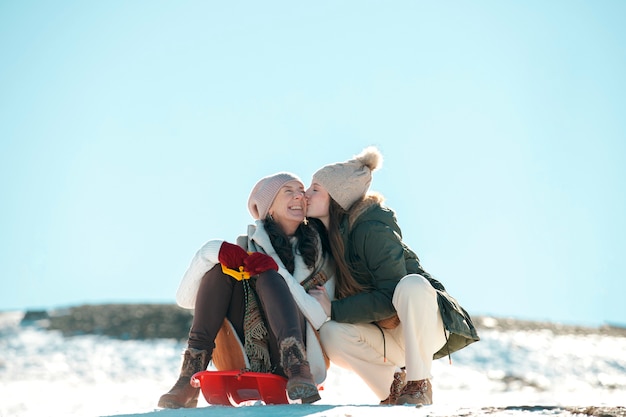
(307, 244)
(345, 285)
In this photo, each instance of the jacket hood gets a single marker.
(359, 208)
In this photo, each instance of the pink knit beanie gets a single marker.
(265, 191)
(346, 182)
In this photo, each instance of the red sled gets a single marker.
(234, 388)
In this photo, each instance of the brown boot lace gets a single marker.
(416, 392)
(182, 394)
(300, 384)
(399, 379)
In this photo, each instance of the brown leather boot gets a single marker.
(416, 392)
(399, 380)
(300, 383)
(182, 394)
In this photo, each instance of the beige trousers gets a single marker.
(362, 349)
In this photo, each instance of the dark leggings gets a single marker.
(221, 296)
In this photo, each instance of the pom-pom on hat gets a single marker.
(265, 191)
(346, 182)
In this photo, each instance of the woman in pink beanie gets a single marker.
(390, 318)
(250, 300)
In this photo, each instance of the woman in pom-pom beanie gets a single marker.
(390, 318)
(250, 300)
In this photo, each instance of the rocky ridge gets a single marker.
(149, 321)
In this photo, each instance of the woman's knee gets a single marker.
(414, 287)
(270, 280)
(216, 282)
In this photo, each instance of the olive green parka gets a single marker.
(379, 259)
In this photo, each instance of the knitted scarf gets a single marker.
(318, 277)
(255, 331)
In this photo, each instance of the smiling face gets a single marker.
(289, 207)
(318, 201)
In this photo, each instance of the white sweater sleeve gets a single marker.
(205, 259)
(310, 307)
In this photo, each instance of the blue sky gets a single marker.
(132, 132)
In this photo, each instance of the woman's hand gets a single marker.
(259, 262)
(231, 256)
(319, 293)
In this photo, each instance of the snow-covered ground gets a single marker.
(43, 373)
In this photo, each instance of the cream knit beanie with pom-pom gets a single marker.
(346, 182)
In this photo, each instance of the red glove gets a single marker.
(232, 256)
(259, 262)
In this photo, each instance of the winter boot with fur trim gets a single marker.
(416, 392)
(182, 394)
(300, 384)
(399, 380)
